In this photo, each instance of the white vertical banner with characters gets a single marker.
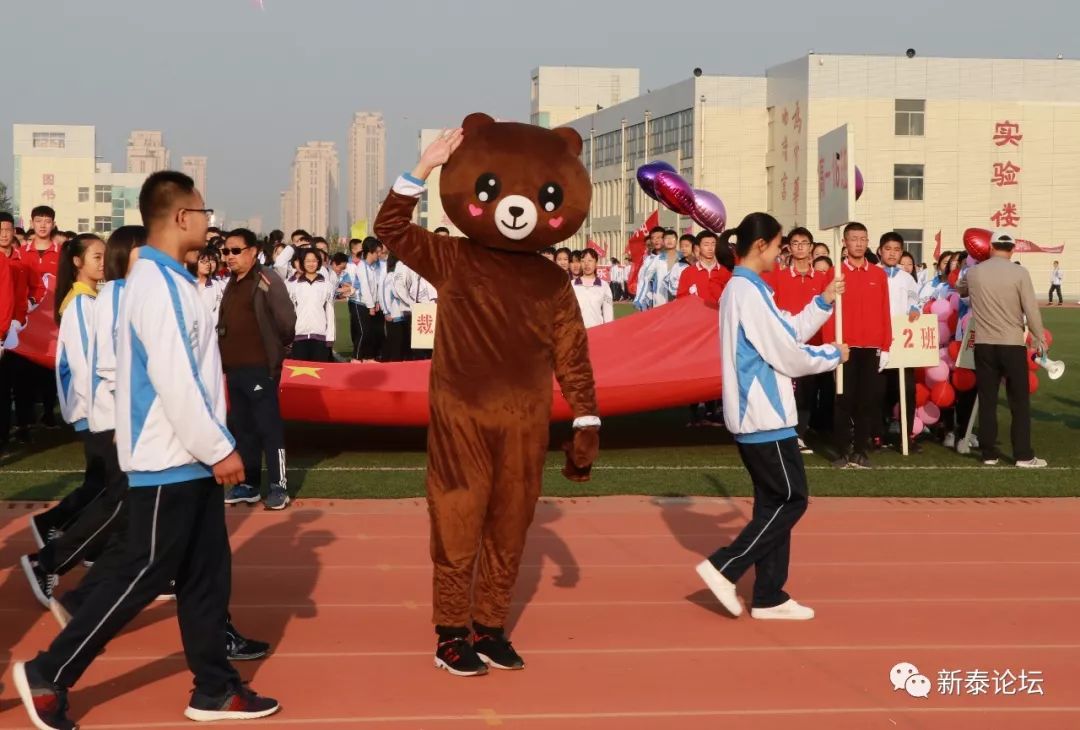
(423, 325)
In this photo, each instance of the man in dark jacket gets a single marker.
(256, 327)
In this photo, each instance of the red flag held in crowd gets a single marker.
(1025, 246)
(937, 247)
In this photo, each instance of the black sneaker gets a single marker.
(457, 656)
(42, 532)
(45, 703)
(496, 651)
(239, 703)
(41, 583)
(48, 421)
(242, 649)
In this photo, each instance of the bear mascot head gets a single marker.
(516, 187)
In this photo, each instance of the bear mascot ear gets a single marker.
(476, 121)
(571, 138)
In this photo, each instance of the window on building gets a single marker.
(50, 140)
(770, 189)
(84, 225)
(907, 182)
(910, 117)
(84, 195)
(630, 190)
(686, 133)
(913, 242)
(102, 193)
(772, 129)
(102, 223)
(635, 146)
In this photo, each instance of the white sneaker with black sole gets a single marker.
(721, 587)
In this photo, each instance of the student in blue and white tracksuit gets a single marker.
(312, 295)
(81, 269)
(172, 443)
(366, 278)
(762, 350)
(396, 312)
(96, 524)
(652, 290)
(411, 289)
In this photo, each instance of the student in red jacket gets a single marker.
(41, 257)
(868, 332)
(706, 277)
(793, 288)
(14, 369)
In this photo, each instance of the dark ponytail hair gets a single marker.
(118, 250)
(66, 274)
(752, 227)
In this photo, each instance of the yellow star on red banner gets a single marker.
(299, 370)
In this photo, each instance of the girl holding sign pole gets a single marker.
(762, 350)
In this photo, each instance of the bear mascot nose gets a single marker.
(516, 211)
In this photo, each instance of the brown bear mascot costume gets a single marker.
(508, 320)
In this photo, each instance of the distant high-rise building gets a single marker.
(429, 213)
(195, 168)
(563, 93)
(315, 187)
(146, 152)
(367, 166)
(288, 211)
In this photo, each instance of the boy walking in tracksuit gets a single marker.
(762, 350)
(172, 443)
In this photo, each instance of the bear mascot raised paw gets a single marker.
(508, 320)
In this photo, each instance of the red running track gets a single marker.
(616, 628)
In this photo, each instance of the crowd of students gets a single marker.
(881, 284)
(380, 291)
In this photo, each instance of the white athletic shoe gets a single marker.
(721, 587)
(949, 441)
(1035, 463)
(788, 611)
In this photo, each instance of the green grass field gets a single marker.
(648, 453)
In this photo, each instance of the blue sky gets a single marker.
(245, 86)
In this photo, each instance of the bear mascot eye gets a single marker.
(551, 196)
(487, 187)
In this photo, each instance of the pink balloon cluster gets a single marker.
(937, 385)
(664, 184)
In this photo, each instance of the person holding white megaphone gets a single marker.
(1002, 297)
(1054, 368)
